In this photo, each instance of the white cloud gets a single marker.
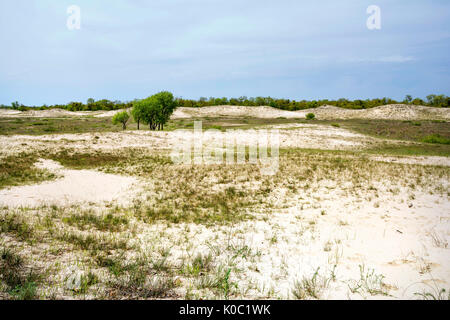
(387, 59)
(396, 58)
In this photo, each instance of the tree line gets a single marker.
(432, 100)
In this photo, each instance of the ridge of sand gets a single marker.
(326, 112)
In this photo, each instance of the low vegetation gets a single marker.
(20, 169)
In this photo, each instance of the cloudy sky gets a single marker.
(295, 49)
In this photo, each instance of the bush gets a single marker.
(310, 116)
(436, 138)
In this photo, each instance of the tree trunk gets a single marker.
(124, 126)
(138, 124)
(162, 126)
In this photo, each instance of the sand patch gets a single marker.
(424, 160)
(327, 112)
(75, 187)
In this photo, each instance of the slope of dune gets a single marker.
(388, 112)
(326, 112)
(233, 111)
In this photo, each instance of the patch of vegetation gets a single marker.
(434, 294)
(92, 243)
(396, 129)
(82, 124)
(13, 223)
(107, 222)
(20, 169)
(86, 160)
(136, 279)
(436, 138)
(310, 287)
(21, 284)
(369, 282)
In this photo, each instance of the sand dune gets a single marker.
(326, 112)
(388, 112)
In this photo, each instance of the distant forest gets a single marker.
(432, 100)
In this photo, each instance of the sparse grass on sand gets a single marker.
(328, 224)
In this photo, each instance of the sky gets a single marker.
(294, 49)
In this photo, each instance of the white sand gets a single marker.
(388, 112)
(327, 112)
(75, 187)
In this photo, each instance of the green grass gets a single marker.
(78, 160)
(86, 219)
(20, 169)
(85, 124)
(15, 224)
(396, 129)
(21, 283)
(436, 138)
(39, 126)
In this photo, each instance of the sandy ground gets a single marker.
(398, 231)
(387, 237)
(290, 135)
(388, 112)
(428, 160)
(77, 187)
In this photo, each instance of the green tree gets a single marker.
(408, 99)
(138, 111)
(155, 110)
(165, 107)
(121, 117)
(430, 99)
(15, 105)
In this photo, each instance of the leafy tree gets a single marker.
(155, 110)
(15, 105)
(408, 99)
(165, 107)
(145, 111)
(121, 117)
(138, 111)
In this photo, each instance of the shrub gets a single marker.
(436, 138)
(310, 116)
